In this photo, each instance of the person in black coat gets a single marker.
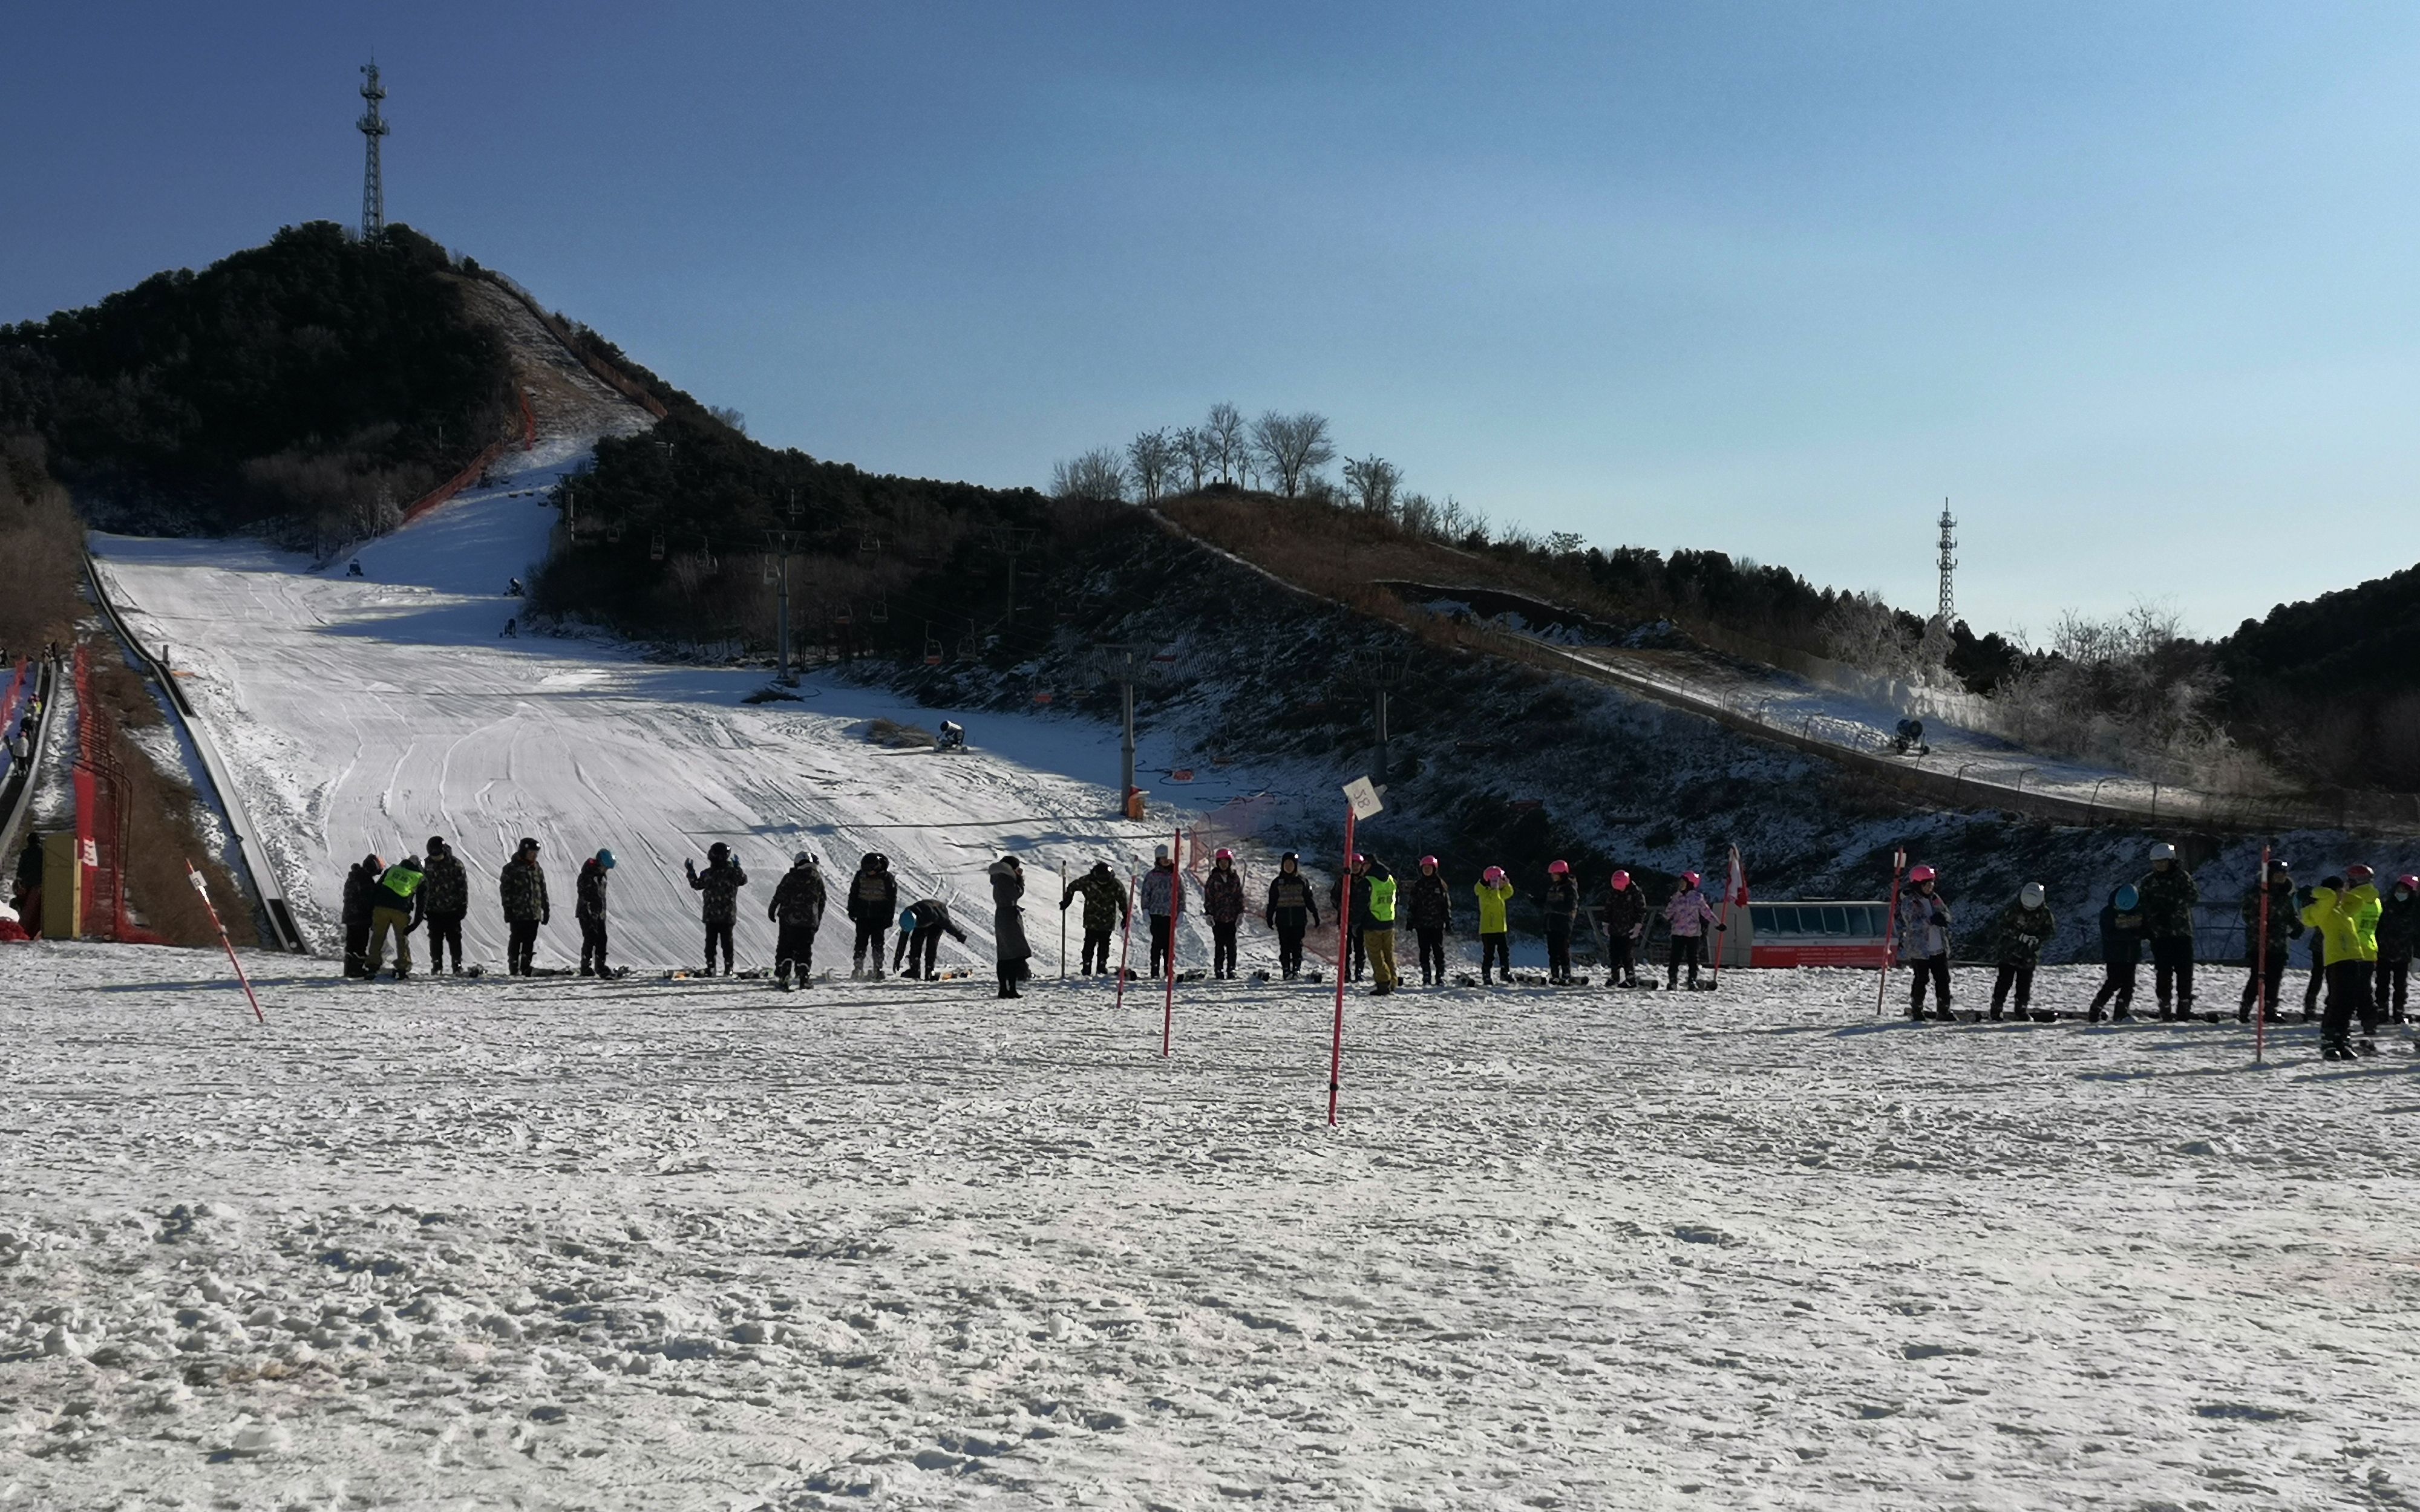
(1430, 909)
(797, 912)
(2121, 952)
(721, 883)
(873, 903)
(361, 888)
(920, 928)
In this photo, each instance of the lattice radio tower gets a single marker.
(1948, 565)
(372, 128)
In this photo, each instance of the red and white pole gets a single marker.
(1890, 930)
(1343, 963)
(1175, 910)
(2261, 968)
(204, 889)
(1734, 881)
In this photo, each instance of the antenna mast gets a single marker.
(1949, 565)
(372, 126)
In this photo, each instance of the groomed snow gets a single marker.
(672, 1244)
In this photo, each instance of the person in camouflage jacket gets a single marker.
(521, 888)
(1105, 911)
(721, 883)
(2024, 927)
(447, 888)
(2169, 893)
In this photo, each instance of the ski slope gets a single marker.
(366, 714)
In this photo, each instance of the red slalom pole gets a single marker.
(1890, 930)
(1734, 883)
(2261, 968)
(1343, 963)
(1175, 910)
(1125, 940)
(203, 889)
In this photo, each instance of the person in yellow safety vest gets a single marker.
(2348, 917)
(396, 906)
(1378, 928)
(1495, 889)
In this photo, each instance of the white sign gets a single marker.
(1363, 797)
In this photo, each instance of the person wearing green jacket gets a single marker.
(1495, 890)
(1377, 886)
(2348, 917)
(2169, 893)
(396, 908)
(2025, 927)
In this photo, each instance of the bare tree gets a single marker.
(732, 418)
(1372, 482)
(1196, 452)
(1228, 449)
(1099, 473)
(1151, 457)
(1291, 447)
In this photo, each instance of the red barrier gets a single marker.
(453, 486)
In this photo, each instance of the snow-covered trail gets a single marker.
(366, 714)
(694, 1245)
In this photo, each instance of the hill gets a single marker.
(2332, 683)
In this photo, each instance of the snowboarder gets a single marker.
(872, 902)
(512, 630)
(1009, 949)
(920, 928)
(1352, 911)
(2025, 927)
(522, 887)
(513, 589)
(1924, 940)
(1688, 916)
(396, 908)
(2285, 927)
(2169, 893)
(1159, 886)
(2349, 916)
(1432, 910)
(1376, 886)
(588, 907)
(1105, 911)
(797, 912)
(2122, 952)
(360, 882)
(1625, 925)
(1495, 890)
(447, 890)
(2399, 932)
(355, 569)
(1560, 904)
(1292, 909)
(720, 908)
(1222, 899)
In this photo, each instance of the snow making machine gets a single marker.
(1808, 933)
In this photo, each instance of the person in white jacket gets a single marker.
(1690, 917)
(1924, 940)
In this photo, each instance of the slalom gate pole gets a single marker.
(1890, 930)
(2260, 969)
(204, 889)
(1176, 911)
(1343, 961)
(1125, 941)
(1723, 932)
(1062, 921)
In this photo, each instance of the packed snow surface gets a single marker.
(677, 1244)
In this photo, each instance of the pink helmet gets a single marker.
(1690, 879)
(1428, 860)
(1921, 874)
(2359, 872)
(1493, 875)
(1558, 869)
(1224, 854)
(2407, 881)
(1360, 859)
(1621, 880)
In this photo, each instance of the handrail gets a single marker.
(22, 779)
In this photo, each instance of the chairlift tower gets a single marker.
(373, 127)
(1949, 559)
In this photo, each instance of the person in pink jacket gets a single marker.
(1690, 917)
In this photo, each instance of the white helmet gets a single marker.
(2164, 852)
(802, 859)
(2031, 895)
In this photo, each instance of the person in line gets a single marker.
(2317, 977)
(1689, 916)
(721, 883)
(395, 909)
(447, 891)
(1105, 913)
(2025, 927)
(922, 924)
(796, 913)
(1292, 909)
(1494, 890)
(2169, 894)
(2349, 916)
(1432, 911)
(27, 898)
(2399, 932)
(1010, 951)
(1625, 926)
(1924, 940)
(1222, 899)
(1376, 886)
(873, 902)
(588, 909)
(2265, 968)
(361, 883)
(1560, 904)
(1160, 897)
(1345, 900)
(522, 888)
(2121, 953)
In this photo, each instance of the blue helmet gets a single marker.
(605, 859)
(2127, 897)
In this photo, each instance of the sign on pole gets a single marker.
(1361, 802)
(1363, 797)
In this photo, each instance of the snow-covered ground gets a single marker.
(655, 1244)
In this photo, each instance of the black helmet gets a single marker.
(528, 843)
(717, 851)
(436, 844)
(1101, 867)
(411, 863)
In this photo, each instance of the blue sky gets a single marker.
(2133, 286)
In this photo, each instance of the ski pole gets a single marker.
(1890, 930)
(1125, 942)
(1062, 921)
(204, 889)
(1175, 910)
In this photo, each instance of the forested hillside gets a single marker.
(2332, 683)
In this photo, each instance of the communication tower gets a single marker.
(372, 126)
(1948, 565)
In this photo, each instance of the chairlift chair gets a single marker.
(655, 546)
(880, 612)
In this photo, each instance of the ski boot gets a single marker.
(2335, 1049)
(2122, 1015)
(2093, 1015)
(2367, 1048)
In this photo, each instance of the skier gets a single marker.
(1159, 901)
(447, 891)
(1688, 916)
(872, 900)
(396, 908)
(1008, 925)
(1222, 899)
(720, 907)
(920, 928)
(796, 911)
(2122, 952)
(1376, 886)
(1924, 940)
(2169, 894)
(1292, 909)
(360, 882)
(1431, 908)
(1352, 912)
(1560, 903)
(514, 589)
(1105, 910)
(2285, 927)
(2025, 927)
(588, 908)
(1495, 889)
(1625, 925)
(522, 887)
(2349, 916)
(2399, 931)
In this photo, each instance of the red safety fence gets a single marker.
(102, 817)
(478, 467)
